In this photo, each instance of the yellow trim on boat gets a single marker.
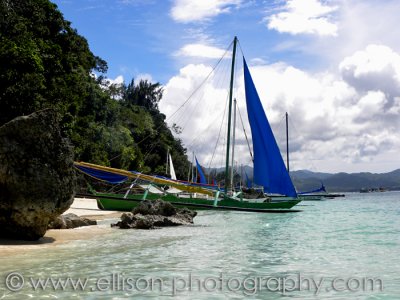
(178, 185)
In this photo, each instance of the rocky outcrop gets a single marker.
(69, 221)
(151, 214)
(37, 177)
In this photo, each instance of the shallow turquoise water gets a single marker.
(335, 243)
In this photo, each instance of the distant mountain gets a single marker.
(345, 182)
(305, 180)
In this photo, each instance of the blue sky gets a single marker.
(333, 65)
(141, 36)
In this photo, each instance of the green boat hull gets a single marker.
(117, 203)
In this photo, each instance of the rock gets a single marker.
(155, 207)
(150, 214)
(127, 217)
(37, 177)
(187, 212)
(143, 222)
(69, 221)
(57, 223)
(126, 220)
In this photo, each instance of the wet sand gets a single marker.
(82, 207)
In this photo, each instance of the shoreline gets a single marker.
(83, 207)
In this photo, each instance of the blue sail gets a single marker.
(269, 168)
(201, 174)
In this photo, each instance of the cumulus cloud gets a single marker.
(200, 50)
(366, 22)
(375, 68)
(198, 111)
(186, 11)
(300, 16)
(342, 119)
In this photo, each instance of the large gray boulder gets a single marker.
(151, 214)
(37, 177)
(155, 207)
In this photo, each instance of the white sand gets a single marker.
(87, 207)
(83, 207)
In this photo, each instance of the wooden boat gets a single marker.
(118, 203)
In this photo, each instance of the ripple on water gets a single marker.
(350, 237)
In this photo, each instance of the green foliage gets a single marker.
(46, 63)
(144, 94)
(43, 61)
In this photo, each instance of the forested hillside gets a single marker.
(44, 63)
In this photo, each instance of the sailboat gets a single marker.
(269, 169)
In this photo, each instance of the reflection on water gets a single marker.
(352, 237)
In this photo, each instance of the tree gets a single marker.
(43, 61)
(144, 94)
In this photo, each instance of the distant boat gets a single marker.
(314, 195)
(373, 190)
(269, 169)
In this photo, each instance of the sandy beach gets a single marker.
(83, 207)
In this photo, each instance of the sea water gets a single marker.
(343, 248)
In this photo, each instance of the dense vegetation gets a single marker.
(45, 63)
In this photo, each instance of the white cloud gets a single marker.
(372, 104)
(375, 68)
(366, 22)
(334, 122)
(186, 11)
(395, 109)
(359, 23)
(201, 115)
(304, 16)
(118, 80)
(200, 50)
(107, 82)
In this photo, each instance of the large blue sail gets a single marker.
(269, 168)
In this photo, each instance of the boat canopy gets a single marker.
(151, 188)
